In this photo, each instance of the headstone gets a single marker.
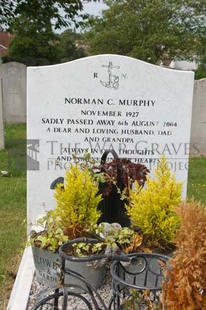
(198, 127)
(104, 102)
(1, 119)
(14, 92)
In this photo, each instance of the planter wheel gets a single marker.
(55, 301)
(143, 275)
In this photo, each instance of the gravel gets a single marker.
(39, 291)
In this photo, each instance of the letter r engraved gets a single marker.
(95, 75)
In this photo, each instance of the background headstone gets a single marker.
(104, 102)
(1, 119)
(198, 127)
(13, 75)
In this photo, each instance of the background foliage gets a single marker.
(149, 29)
(60, 13)
(33, 24)
(153, 31)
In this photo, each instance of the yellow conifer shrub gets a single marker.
(77, 202)
(153, 207)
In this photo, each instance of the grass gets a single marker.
(12, 207)
(13, 203)
(197, 179)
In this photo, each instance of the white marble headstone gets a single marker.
(1, 119)
(104, 102)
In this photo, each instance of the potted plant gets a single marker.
(118, 176)
(153, 209)
(74, 216)
(110, 239)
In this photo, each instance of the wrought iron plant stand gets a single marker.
(132, 272)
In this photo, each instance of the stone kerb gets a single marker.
(101, 102)
(1, 119)
(198, 127)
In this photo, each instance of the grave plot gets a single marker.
(100, 103)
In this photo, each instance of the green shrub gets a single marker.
(77, 202)
(152, 209)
